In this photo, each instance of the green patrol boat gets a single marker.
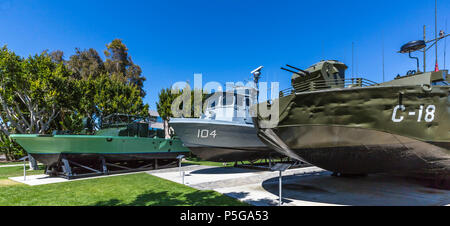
(357, 127)
(124, 143)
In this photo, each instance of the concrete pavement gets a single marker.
(309, 186)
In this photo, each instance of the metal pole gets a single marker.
(445, 45)
(424, 50)
(435, 29)
(179, 166)
(182, 179)
(280, 187)
(382, 50)
(24, 171)
(353, 66)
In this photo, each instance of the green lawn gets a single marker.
(15, 163)
(11, 163)
(126, 190)
(16, 171)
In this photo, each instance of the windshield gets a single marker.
(441, 83)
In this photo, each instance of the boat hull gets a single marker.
(337, 150)
(85, 148)
(366, 130)
(221, 141)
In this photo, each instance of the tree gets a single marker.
(120, 66)
(167, 98)
(163, 106)
(86, 64)
(9, 148)
(43, 93)
(30, 93)
(112, 96)
(57, 56)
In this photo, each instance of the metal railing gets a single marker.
(327, 84)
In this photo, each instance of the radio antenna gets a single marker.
(445, 45)
(382, 52)
(436, 34)
(424, 49)
(353, 64)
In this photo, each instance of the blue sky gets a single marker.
(226, 39)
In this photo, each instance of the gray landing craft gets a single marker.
(356, 126)
(225, 132)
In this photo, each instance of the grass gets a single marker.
(126, 190)
(16, 171)
(11, 163)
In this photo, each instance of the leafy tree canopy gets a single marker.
(43, 93)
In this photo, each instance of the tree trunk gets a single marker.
(166, 129)
(33, 163)
(7, 157)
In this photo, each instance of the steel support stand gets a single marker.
(85, 167)
(66, 167)
(104, 167)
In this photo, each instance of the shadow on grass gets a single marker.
(164, 198)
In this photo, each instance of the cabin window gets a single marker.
(224, 101)
(441, 83)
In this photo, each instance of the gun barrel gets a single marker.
(307, 72)
(291, 71)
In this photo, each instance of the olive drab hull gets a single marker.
(363, 130)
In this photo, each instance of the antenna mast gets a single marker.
(435, 33)
(424, 50)
(382, 47)
(353, 65)
(445, 45)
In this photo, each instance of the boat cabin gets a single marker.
(230, 106)
(128, 126)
